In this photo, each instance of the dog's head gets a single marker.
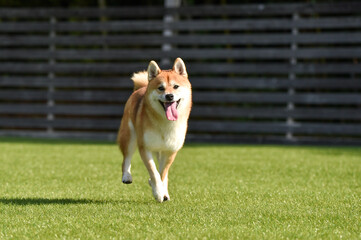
(169, 91)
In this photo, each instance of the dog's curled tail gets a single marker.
(140, 79)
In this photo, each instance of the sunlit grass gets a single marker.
(71, 190)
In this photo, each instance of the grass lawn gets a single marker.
(69, 190)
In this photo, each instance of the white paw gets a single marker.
(158, 191)
(127, 178)
(166, 196)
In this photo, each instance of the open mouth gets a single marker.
(170, 109)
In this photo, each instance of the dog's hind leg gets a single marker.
(127, 142)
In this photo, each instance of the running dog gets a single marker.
(156, 120)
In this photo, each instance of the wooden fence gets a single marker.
(285, 73)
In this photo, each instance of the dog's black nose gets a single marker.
(169, 97)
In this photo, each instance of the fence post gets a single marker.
(51, 76)
(103, 19)
(292, 78)
(167, 31)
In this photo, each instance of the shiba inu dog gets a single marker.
(156, 119)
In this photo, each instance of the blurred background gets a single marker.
(93, 3)
(262, 71)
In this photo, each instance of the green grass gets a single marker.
(72, 190)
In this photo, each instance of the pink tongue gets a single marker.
(171, 111)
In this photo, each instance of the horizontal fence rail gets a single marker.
(261, 73)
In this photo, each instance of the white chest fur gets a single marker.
(167, 137)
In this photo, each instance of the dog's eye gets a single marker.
(161, 88)
(176, 86)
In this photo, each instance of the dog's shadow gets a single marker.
(61, 201)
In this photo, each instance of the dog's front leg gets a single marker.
(165, 161)
(155, 179)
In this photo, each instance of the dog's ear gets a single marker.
(153, 70)
(180, 68)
